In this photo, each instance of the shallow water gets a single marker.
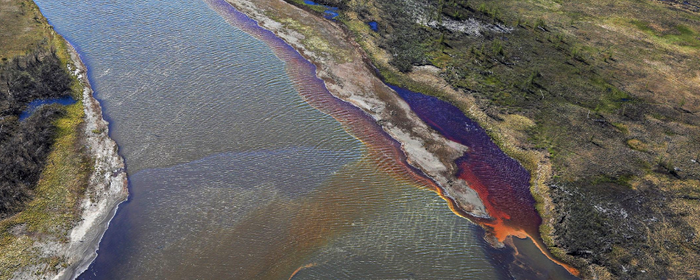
(373, 25)
(329, 13)
(34, 105)
(241, 166)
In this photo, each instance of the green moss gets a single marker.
(679, 35)
(621, 127)
(642, 25)
(610, 98)
(621, 180)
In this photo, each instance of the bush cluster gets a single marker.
(25, 145)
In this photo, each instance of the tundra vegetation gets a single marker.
(605, 94)
(44, 166)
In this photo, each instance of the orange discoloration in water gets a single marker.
(501, 226)
(312, 228)
(300, 269)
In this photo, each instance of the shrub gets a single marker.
(25, 145)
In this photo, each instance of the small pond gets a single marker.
(34, 105)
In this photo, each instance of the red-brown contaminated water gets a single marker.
(502, 183)
(243, 166)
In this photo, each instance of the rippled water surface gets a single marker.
(241, 165)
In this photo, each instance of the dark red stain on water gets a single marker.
(501, 182)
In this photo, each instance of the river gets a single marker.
(242, 166)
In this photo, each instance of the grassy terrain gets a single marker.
(23, 28)
(606, 93)
(54, 208)
(49, 204)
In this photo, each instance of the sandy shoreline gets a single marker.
(107, 186)
(342, 65)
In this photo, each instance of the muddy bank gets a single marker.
(345, 69)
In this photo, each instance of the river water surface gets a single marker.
(241, 165)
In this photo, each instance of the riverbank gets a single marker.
(349, 76)
(107, 187)
(596, 99)
(57, 232)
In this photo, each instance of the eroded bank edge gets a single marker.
(107, 186)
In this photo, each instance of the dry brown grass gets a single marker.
(22, 28)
